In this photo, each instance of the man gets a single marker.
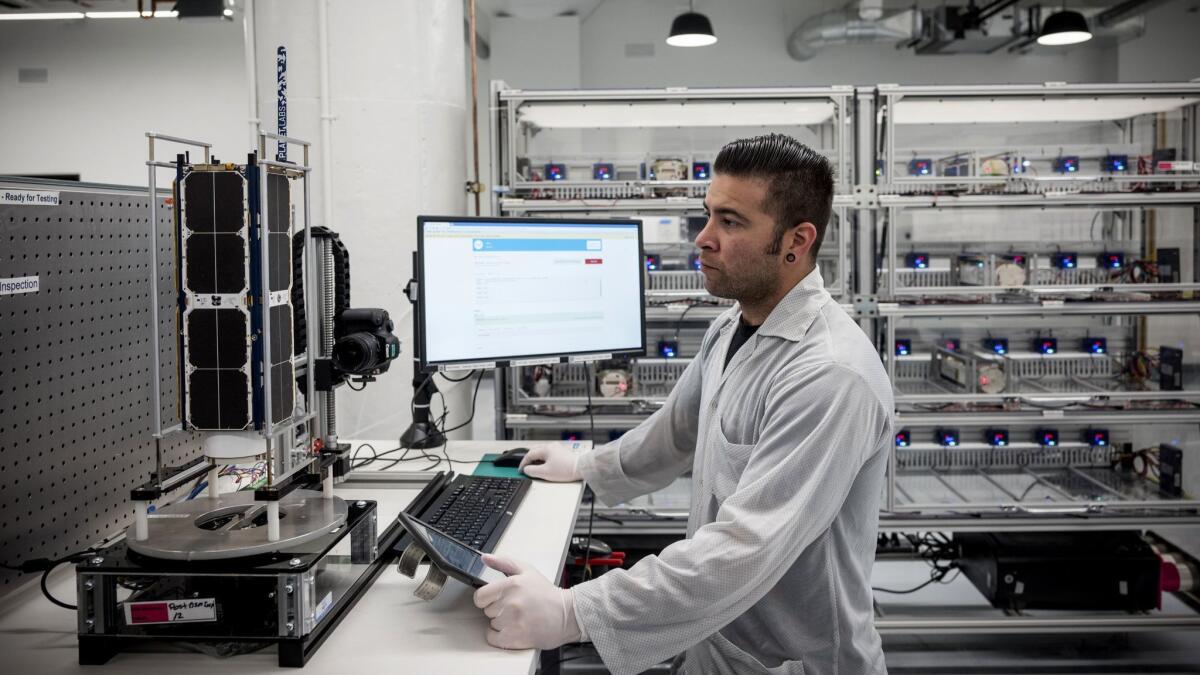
(784, 419)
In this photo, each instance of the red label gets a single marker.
(149, 613)
(593, 261)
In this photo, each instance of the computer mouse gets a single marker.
(511, 457)
(595, 547)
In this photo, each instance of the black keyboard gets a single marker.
(476, 509)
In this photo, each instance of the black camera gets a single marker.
(367, 344)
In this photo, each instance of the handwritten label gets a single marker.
(171, 611)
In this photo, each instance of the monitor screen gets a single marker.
(498, 290)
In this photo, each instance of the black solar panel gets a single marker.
(214, 201)
(283, 392)
(216, 263)
(281, 262)
(279, 203)
(216, 323)
(218, 256)
(217, 338)
(279, 253)
(220, 400)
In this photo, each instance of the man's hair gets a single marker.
(799, 181)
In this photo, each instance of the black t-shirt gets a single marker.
(742, 333)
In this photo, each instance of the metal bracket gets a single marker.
(866, 305)
(866, 196)
(435, 578)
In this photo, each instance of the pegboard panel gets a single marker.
(75, 367)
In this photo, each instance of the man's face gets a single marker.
(734, 244)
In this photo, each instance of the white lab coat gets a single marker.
(787, 448)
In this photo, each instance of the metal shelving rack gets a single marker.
(1116, 192)
(1071, 164)
(1070, 390)
(995, 179)
(631, 133)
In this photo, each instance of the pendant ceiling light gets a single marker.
(1064, 28)
(691, 29)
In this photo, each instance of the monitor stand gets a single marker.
(422, 433)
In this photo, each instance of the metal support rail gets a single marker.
(895, 625)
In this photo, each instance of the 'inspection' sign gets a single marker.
(15, 285)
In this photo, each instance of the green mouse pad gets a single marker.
(486, 468)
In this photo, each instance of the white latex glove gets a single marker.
(556, 464)
(527, 611)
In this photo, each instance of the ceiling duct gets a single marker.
(1125, 10)
(846, 26)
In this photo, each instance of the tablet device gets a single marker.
(452, 556)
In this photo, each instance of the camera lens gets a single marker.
(357, 353)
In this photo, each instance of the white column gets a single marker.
(397, 148)
(273, 520)
(141, 520)
(214, 481)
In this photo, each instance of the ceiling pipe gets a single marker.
(870, 10)
(995, 8)
(1126, 10)
(844, 26)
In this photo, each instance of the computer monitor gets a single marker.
(517, 291)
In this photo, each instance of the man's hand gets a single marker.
(527, 611)
(555, 464)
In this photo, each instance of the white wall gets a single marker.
(399, 142)
(537, 53)
(1170, 49)
(527, 54)
(110, 82)
(398, 148)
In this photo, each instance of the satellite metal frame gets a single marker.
(278, 463)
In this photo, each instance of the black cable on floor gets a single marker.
(46, 575)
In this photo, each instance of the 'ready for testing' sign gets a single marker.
(28, 198)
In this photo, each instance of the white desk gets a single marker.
(465, 455)
(389, 630)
